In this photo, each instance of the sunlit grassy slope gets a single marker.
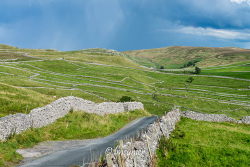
(237, 70)
(196, 143)
(15, 100)
(176, 57)
(105, 75)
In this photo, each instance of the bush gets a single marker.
(125, 99)
(190, 63)
(162, 67)
(197, 70)
(190, 80)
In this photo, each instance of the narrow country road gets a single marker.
(93, 150)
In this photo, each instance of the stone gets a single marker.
(245, 120)
(43, 116)
(141, 151)
(208, 117)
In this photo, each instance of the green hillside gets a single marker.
(105, 75)
(178, 56)
(31, 78)
(237, 70)
(3, 46)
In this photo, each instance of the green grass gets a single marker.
(15, 100)
(196, 143)
(236, 70)
(76, 125)
(51, 79)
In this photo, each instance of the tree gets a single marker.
(197, 70)
(190, 63)
(162, 67)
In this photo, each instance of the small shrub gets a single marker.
(178, 134)
(125, 99)
(190, 80)
(197, 70)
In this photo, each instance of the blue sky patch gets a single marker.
(124, 24)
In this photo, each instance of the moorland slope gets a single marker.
(180, 56)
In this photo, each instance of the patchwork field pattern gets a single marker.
(103, 75)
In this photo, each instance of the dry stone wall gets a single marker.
(207, 117)
(214, 117)
(40, 117)
(245, 120)
(141, 151)
(13, 124)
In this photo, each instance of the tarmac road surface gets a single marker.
(92, 151)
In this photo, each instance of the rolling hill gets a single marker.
(179, 56)
(107, 75)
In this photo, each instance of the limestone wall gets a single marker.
(214, 117)
(207, 117)
(13, 124)
(245, 120)
(141, 151)
(40, 117)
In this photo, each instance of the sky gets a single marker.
(124, 24)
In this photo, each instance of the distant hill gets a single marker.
(180, 56)
(96, 55)
(3, 46)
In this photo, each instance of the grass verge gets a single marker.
(76, 125)
(197, 143)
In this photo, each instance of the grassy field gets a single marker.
(195, 143)
(31, 78)
(237, 70)
(75, 125)
(57, 74)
